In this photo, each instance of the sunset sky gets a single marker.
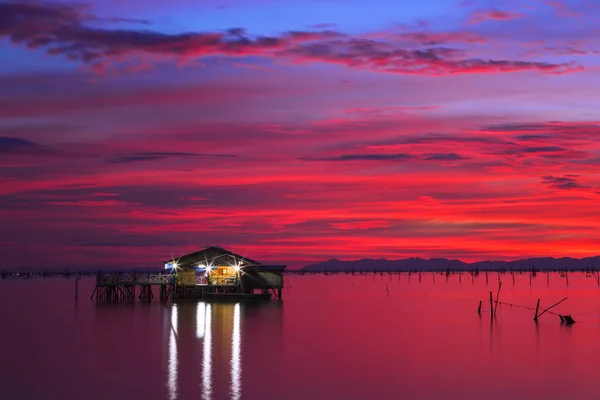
(297, 131)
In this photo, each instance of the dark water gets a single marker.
(332, 337)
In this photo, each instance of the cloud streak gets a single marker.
(65, 30)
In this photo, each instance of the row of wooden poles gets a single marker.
(567, 319)
(474, 274)
(532, 275)
(115, 293)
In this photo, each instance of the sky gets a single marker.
(295, 132)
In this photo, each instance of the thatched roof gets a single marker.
(212, 256)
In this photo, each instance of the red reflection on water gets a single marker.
(351, 337)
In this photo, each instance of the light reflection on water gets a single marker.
(228, 326)
(236, 355)
(172, 378)
(200, 319)
(206, 355)
(351, 337)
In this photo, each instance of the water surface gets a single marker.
(338, 336)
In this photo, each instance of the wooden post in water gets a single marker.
(552, 306)
(479, 308)
(537, 308)
(497, 296)
(491, 304)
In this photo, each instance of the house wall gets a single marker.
(256, 279)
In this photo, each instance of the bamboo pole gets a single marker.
(537, 308)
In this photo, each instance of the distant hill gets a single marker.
(443, 264)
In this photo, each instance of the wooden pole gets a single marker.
(491, 304)
(497, 296)
(552, 306)
(537, 308)
(479, 308)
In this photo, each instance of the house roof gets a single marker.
(213, 256)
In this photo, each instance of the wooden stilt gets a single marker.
(537, 308)
(497, 297)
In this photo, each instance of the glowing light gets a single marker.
(172, 367)
(236, 355)
(237, 268)
(200, 319)
(206, 356)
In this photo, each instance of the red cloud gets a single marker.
(493, 15)
(561, 9)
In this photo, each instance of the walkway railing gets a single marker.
(133, 279)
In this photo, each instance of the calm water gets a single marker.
(332, 337)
